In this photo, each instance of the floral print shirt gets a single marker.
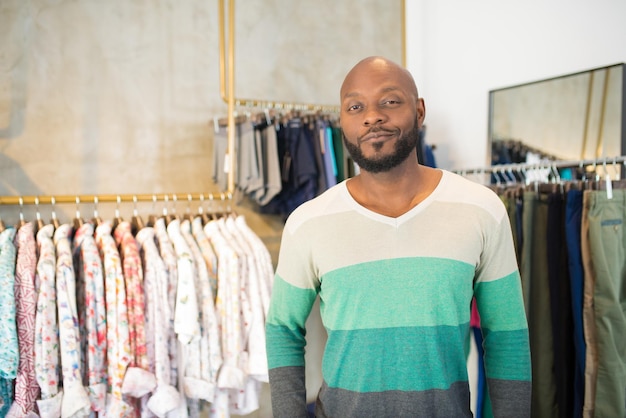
(210, 350)
(76, 401)
(26, 389)
(46, 327)
(133, 276)
(9, 356)
(166, 397)
(118, 340)
(168, 255)
(91, 314)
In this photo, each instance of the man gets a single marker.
(396, 255)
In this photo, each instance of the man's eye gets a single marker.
(354, 107)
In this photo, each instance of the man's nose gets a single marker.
(373, 116)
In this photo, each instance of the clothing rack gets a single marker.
(604, 162)
(110, 198)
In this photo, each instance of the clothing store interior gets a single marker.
(134, 123)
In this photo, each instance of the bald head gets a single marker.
(380, 67)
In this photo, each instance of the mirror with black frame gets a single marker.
(572, 117)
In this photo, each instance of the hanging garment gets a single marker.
(26, 388)
(9, 351)
(299, 168)
(165, 398)
(118, 339)
(254, 325)
(606, 264)
(138, 380)
(573, 214)
(186, 316)
(210, 321)
(229, 310)
(202, 378)
(168, 255)
(560, 305)
(47, 328)
(534, 273)
(266, 140)
(91, 314)
(76, 401)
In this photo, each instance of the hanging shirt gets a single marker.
(92, 314)
(9, 355)
(168, 255)
(138, 381)
(187, 314)
(166, 397)
(263, 259)
(176, 347)
(118, 339)
(26, 389)
(232, 378)
(210, 320)
(210, 258)
(75, 399)
(210, 360)
(228, 306)
(257, 356)
(47, 328)
(253, 357)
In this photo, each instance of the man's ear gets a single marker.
(421, 111)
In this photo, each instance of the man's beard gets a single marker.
(402, 149)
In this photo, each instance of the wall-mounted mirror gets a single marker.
(572, 117)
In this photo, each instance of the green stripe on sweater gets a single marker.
(397, 293)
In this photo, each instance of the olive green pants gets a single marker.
(603, 246)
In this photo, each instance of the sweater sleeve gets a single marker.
(293, 295)
(503, 323)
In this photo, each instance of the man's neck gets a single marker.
(396, 192)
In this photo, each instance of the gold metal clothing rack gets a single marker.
(111, 198)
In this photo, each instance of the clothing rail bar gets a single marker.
(112, 198)
(604, 162)
(267, 104)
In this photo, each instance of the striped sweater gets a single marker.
(395, 298)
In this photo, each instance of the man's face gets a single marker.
(380, 116)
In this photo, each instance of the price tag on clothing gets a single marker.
(609, 187)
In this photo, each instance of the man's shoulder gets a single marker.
(330, 201)
(458, 189)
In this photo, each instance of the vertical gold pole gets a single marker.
(587, 112)
(231, 96)
(222, 48)
(600, 140)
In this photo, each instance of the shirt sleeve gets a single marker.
(504, 326)
(293, 295)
